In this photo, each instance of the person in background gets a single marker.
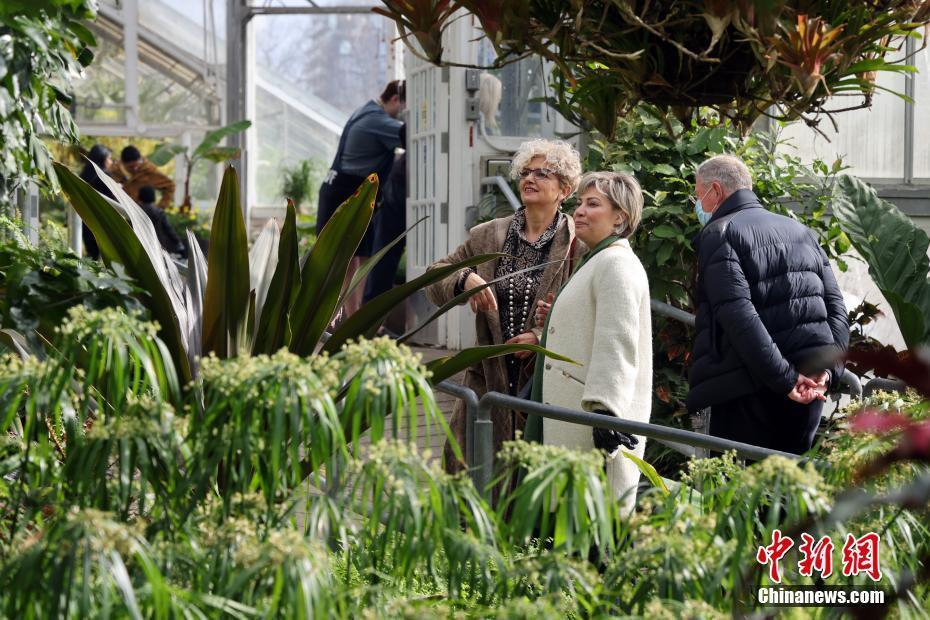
(389, 222)
(601, 319)
(100, 155)
(770, 316)
(135, 172)
(537, 235)
(366, 146)
(166, 235)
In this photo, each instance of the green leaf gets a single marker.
(227, 296)
(263, 260)
(665, 251)
(137, 249)
(665, 169)
(15, 342)
(213, 138)
(665, 231)
(220, 154)
(165, 152)
(367, 319)
(271, 332)
(895, 250)
(648, 470)
(323, 274)
(449, 366)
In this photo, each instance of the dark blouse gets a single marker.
(516, 295)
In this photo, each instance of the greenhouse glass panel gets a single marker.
(311, 73)
(870, 140)
(922, 116)
(509, 97)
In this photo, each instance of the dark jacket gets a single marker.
(89, 175)
(768, 305)
(166, 236)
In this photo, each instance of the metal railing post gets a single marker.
(482, 468)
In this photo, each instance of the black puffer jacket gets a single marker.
(768, 305)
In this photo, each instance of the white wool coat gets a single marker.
(602, 320)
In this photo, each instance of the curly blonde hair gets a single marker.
(561, 157)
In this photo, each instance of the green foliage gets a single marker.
(895, 250)
(117, 503)
(42, 45)
(39, 284)
(302, 181)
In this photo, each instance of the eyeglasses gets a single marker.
(538, 173)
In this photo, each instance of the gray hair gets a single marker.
(624, 193)
(729, 171)
(561, 157)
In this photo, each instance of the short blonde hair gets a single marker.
(561, 157)
(623, 192)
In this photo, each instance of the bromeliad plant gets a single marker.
(745, 59)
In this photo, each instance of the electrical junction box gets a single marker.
(472, 112)
(472, 79)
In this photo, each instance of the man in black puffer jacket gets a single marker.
(770, 319)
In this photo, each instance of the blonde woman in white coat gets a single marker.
(601, 318)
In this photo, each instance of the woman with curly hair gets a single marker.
(536, 235)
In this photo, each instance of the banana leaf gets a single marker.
(895, 251)
(271, 332)
(227, 296)
(213, 138)
(445, 367)
(367, 319)
(323, 275)
(132, 247)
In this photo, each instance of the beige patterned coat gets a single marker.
(491, 374)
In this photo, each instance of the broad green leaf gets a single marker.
(121, 243)
(664, 169)
(272, 325)
(648, 470)
(895, 250)
(367, 319)
(165, 152)
(227, 296)
(263, 260)
(664, 231)
(449, 366)
(220, 154)
(213, 138)
(196, 293)
(323, 275)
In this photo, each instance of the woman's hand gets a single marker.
(483, 300)
(524, 338)
(542, 309)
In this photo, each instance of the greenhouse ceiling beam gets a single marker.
(148, 131)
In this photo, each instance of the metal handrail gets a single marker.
(470, 398)
(482, 467)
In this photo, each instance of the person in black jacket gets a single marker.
(100, 155)
(771, 322)
(166, 236)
